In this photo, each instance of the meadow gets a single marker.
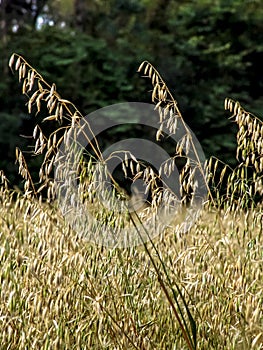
(202, 289)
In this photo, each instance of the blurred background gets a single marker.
(205, 50)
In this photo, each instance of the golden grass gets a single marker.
(61, 293)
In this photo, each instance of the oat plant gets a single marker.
(65, 117)
(190, 287)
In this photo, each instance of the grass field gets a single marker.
(61, 293)
(202, 289)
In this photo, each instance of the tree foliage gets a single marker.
(205, 50)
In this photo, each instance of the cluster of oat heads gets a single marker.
(242, 183)
(3, 181)
(249, 136)
(65, 117)
(245, 181)
(161, 96)
(61, 112)
(172, 123)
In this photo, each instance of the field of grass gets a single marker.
(58, 292)
(201, 289)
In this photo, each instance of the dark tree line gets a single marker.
(205, 50)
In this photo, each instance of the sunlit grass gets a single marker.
(61, 293)
(199, 290)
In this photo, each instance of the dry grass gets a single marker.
(60, 292)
